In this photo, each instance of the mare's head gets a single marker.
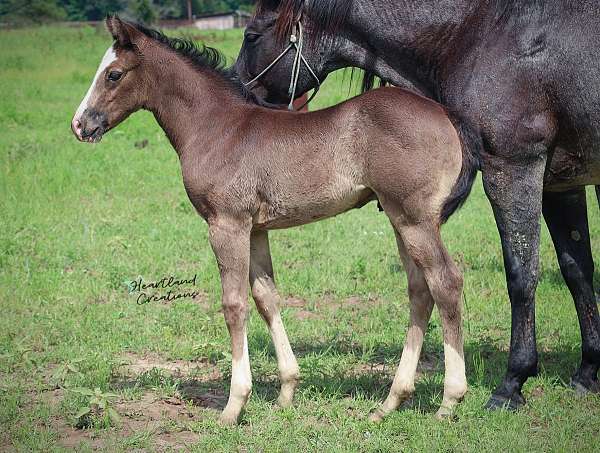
(119, 87)
(268, 34)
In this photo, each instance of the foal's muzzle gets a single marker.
(90, 126)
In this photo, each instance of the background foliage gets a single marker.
(28, 11)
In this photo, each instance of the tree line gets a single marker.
(148, 11)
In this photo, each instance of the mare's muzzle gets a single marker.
(90, 126)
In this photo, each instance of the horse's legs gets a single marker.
(421, 304)
(514, 189)
(267, 301)
(566, 217)
(230, 242)
(445, 283)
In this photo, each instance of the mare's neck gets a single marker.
(193, 106)
(415, 41)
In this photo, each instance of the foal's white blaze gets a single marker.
(108, 58)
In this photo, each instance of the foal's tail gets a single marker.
(471, 150)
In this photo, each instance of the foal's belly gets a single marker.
(571, 168)
(293, 209)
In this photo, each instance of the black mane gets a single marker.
(202, 57)
(326, 17)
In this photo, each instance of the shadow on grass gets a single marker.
(369, 382)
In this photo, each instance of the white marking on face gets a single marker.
(108, 58)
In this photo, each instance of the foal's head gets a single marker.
(118, 89)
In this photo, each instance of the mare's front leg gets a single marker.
(514, 187)
(566, 217)
(230, 241)
(267, 300)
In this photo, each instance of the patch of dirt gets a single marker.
(373, 368)
(428, 364)
(135, 364)
(302, 315)
(166, 419)
(294, 302)
(202, 396)
(328, 303)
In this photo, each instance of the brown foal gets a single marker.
(248, 169)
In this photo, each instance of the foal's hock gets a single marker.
(247, 169)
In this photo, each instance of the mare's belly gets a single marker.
(288, 210)
(571, 168)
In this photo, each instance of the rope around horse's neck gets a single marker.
(296, 42)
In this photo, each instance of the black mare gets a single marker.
(524, 75)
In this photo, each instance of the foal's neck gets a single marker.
(191, 105)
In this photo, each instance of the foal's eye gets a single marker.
(113, 76)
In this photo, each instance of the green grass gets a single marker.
(77, 222)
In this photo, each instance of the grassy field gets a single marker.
(78, 222)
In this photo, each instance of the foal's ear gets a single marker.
(122, 32)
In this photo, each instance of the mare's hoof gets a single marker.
(512, 403)
(585, 387)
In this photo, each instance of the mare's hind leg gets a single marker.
(566, 217)
(421, 304)
(267, 301)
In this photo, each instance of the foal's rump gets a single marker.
(418, 153)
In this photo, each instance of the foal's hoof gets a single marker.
(512, 403)
(444, 413)
(284, 402)
(376, 416)
(585, 387)
(226, 419)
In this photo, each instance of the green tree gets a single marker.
(31, 11)
(143, 10)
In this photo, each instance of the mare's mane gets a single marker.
(326, 16)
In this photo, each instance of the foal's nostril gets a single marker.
(76, 128)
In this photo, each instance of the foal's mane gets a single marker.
(202, 58)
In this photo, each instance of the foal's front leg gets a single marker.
(230, 241)
(267, 301)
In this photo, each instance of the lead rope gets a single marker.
(296, 42)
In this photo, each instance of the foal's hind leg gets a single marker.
(445, 282)
(421, 304)
(267, 301)
(424, 244)
(566, 217)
